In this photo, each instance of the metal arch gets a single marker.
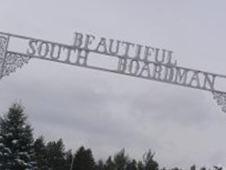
(10, 61)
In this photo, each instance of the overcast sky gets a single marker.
(108, 112)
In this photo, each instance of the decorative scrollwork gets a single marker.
(3, 44)
(12, 62)
(220, 97)
(9, 61)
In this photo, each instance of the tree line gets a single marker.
(20, 151)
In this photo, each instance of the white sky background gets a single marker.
(106, 111)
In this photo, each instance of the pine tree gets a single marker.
(109, 165)
(56, 155)
(121, 160)
(149, 162)
(16, 140)
(100, 165)
(140, 165)
(132, 165)
(84, 160)
(68, 160)
(193, 167)
(40, 154)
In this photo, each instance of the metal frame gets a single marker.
(11, 60)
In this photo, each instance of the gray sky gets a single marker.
(106, 111)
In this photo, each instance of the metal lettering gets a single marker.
(122, 65)
(78, 40)
(157, 71)
(102, 44)
(134, 67)
(82, 57)
(181, 76)
(128, 46)
(88, 41)
(114, 49)
(145, 71)
(55, 49)
(32, 49)
(167, 55)
(138, 52)
(169, 74)
(195, 80)
(147, 62)
(148, 53)
(209, 81)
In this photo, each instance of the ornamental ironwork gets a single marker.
(109, 55)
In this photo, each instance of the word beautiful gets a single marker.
(123, 49)
(146, 62)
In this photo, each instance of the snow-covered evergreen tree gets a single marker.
(16, 141)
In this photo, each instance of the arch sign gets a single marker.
(109, 55)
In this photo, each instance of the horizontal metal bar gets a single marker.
(115, 71)
(110, 55)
